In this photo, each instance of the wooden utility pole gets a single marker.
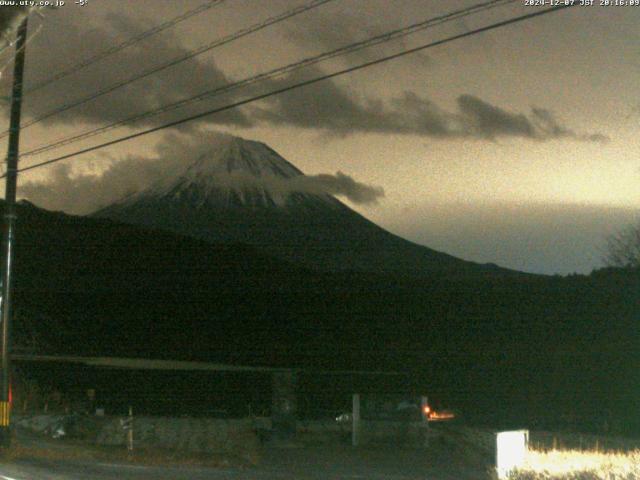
(9, 234)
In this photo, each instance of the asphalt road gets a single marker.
(58, 470)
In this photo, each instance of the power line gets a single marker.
(320, 78)
(198, 51)
(127, 43)
(351, 48)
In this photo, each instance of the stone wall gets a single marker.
(183, 433)
(188, 434)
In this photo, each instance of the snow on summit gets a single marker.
(232, 170)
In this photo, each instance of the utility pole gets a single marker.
(9, 234)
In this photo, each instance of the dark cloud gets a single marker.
(323, 105)
(548, 126)
(84, 193)
(64, 35)
(485, 120)
(411, 113)
(329, 107)
(327, 31)
(326, 105)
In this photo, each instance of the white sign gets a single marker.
(511, 451)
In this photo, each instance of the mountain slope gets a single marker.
(535, 345)
(244, 192)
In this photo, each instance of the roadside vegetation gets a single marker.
(78, 452)
(242, 451)
(576, 456)
(579, 465)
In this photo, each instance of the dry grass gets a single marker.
(154, 457)
(245, 452)
(540, 440)
(579, 465)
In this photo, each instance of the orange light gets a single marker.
(426, 409)
(441, 416)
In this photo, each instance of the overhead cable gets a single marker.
(304, 83)
(191, 54)
(277, 72)
(125, 44)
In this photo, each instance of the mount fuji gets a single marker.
(242, 191)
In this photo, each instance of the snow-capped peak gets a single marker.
(237, 155)
(233, 171)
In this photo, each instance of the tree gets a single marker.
(623, 248)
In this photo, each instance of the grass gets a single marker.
(244, 452)
(155, 457)
(579, 465)
(540, 440)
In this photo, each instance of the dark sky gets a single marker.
(518, 146)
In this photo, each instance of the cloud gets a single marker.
(61, 36)
(327, 31)
(76, 193)
(84, 193)
(327, 106)
(338, 184)
(482, 119)
(547, 125)
(323, 184)
(486, 120)
(322, 105)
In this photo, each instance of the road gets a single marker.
(69, 470)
